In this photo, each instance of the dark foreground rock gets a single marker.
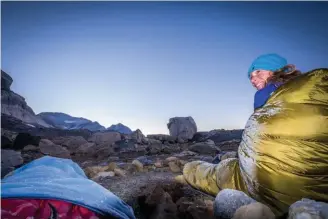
(308, 209)
(10, 159)
(218, 135)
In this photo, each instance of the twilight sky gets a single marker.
(141, 63)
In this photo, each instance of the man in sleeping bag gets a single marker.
(56, 188)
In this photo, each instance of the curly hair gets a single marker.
(284, 74)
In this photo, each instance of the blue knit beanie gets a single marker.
(269, 62)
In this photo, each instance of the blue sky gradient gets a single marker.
(140, 63)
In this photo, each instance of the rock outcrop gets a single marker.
(15, 105)
(182, 127)
(6, 81)
(47, 147)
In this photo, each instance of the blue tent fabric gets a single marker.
(62, 179)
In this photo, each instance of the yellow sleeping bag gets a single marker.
(283, 155)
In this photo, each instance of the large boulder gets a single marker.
(72, 143)
(105, 138)
(86, 149)
(182, 127)
(207, 147)
(47, 147)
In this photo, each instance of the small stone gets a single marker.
(228, 201)
(159, 164)
(144, 160)
(94, 170)
(104, 175)
(138, 164)
(210, 206)
(174, 167)
(254, 210)
(170, 159)
(112, 166)
(119, 172)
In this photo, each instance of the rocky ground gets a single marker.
(141, 170)
(144, 171)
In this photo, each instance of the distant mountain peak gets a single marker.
(65, 121)
(119, 127)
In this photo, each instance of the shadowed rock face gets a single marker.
(6, 81)
(15, 105)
